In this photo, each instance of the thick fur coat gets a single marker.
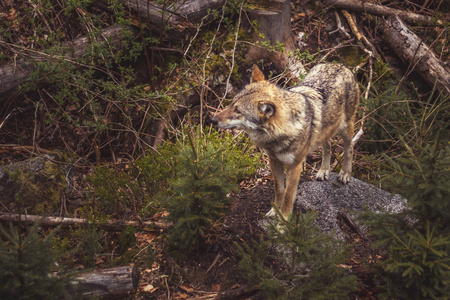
(290, 123)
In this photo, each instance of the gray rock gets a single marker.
(35, 185)
(329, 197)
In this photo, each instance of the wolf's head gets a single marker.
(252, 107)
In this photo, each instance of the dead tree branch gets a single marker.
(359, 35)
(378, 10)
(109, 225)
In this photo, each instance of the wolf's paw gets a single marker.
(323, 175)
(344, 177)
(272, 213)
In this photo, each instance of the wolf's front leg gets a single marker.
(277, 168)
(292, 178)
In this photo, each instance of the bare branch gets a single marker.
(378, 10)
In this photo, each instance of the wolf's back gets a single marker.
(335, 83)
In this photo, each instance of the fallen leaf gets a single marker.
(181, 296)
(216, 288)
(187, 288)
(148, 288)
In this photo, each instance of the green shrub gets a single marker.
(207, 169)
(419, 264)
(127, 239)
(310, 262)
(26, 265)
(115, 191)
(418, 239)
(422, 175)
(189, 178)
(91, 243)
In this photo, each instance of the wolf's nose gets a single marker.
(214, 120)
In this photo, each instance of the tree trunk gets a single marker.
(57, 221)
(13, 75)
(416, 54)
(274, 22)
(117, 282)
(379, 10)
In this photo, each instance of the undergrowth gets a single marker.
(190, 178)
(27, 260)
(310, 261)
(417, 240)
(107, 109)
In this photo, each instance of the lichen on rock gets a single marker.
(35, 185)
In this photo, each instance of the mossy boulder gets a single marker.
(35, 185)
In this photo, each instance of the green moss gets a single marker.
(351, 56)
(36, 185)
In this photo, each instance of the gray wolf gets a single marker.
(290, 123)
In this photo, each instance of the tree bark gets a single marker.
(163, 20)
(57, 221)
(378, 10)
(244, 292)
(13, 75)
(195, 10)
(408, 46)
(274, 22)
(117, 282)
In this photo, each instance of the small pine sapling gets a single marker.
(417, 240)
(310, 259)
(197, 196)
(26, 266)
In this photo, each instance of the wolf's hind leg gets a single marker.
(346, 171)
(324, 171)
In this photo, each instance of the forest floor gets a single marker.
(213, 272)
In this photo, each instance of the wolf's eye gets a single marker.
(236, 110)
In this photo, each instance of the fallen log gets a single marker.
(14, 74)
(173, 21)
(412, 51)
(195, 10)
(113, 225)
(378, 10)
(117, 282)
(243, 292)
(165, 21)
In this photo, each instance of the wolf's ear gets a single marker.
(268, 109)
(257, 75)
